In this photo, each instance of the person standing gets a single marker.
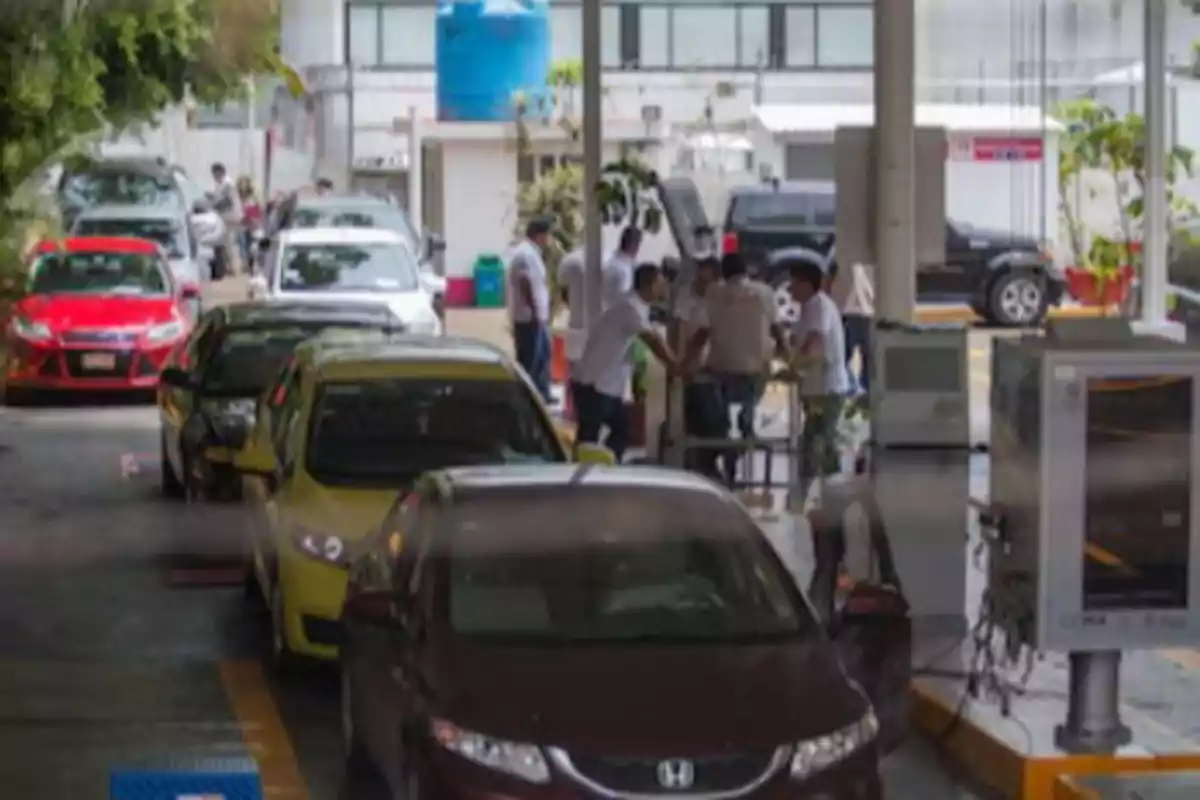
(820, 361)
(704, 412)
(572, 280)
(853, 292)
(229, 208)
(252, 220)
(738, 328)
(619, 269)
(529, 304)
(605, 369)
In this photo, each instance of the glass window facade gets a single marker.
(652, 35)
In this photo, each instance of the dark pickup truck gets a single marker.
(1006, 278)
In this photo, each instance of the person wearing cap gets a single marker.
(605, 368)
(529, 304)
(738, 326)
(820, 362)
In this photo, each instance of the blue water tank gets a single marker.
(488, 54)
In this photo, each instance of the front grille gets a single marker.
(122, 361)
(721, 773)
(100, 337)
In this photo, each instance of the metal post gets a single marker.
(1154, 237)
(350, 120)
(593, 151)
(895, 160)
(1093, 724)
(416, 166)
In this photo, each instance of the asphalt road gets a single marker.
(124, 636)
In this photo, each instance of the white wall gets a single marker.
(480, 190)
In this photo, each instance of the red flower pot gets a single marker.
(1092, 289)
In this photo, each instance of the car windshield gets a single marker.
(163, 232)
(246, 360)
(135, 274)
(384, 267)
(636, 565)
(384, 432)
(357, 216)
(117, 187)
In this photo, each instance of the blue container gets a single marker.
(490, 278)
(169, 778)
(488, 54)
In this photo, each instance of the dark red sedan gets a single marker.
(577, 632)
(101, 313)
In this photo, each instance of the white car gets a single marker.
(349, 264)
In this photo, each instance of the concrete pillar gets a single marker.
(1154, 242)
(593, 153)
(895, 160)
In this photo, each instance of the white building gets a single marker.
(681, 63)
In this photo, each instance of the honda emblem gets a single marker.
(677, 774)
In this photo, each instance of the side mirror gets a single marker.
(190, 291)
(253, 461)
(594, 454)
(177, 378)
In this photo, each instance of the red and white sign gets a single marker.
(1007, 149)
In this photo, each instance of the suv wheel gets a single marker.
(1017, 299)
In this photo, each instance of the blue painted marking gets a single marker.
(178, 778)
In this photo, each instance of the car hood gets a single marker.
(413, 309)
(65, 311)
(650, 701)
(349, 513)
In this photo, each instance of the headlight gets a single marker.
(32, 331)
(321, 546)
(166, 332)
(823, 752)
(523, 761)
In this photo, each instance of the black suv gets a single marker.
(1006, 278)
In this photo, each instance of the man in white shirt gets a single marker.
(853, 291)
(704, 412)
(618, 270)
(605, 369)
(741, 333)
(821, 361)
(529, 305)
(228, 206)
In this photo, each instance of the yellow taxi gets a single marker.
(348, 426)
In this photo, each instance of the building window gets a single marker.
(654, 38)
(845, 36)
(566, 34)
(800, 35)
(754, 37)
(703, 37)
(407, 36)
(364, 35)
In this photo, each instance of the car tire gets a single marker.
(172, 487)
(1017, 300)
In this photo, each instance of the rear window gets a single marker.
(610, 565)
(388, 432)
(163, 232)
(782, 208)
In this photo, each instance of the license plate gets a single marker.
(99, 361)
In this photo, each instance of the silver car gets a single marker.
(168, 227)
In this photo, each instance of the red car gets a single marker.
(101, 314)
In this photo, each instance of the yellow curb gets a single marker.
(1020, 776)
(949, 314)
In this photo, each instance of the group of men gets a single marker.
(724, 340)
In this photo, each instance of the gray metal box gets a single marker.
(1094, 469)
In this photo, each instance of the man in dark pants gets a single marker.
(704, 413)
(853, 291)
(605, 368)
(529, 305)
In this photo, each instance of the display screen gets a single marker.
(1137, 517)
(931, 370)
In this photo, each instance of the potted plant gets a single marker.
(1105, 280)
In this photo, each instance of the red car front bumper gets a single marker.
(85, 366)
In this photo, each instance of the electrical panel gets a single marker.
(1094, 465)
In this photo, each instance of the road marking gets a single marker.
(263, 730)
